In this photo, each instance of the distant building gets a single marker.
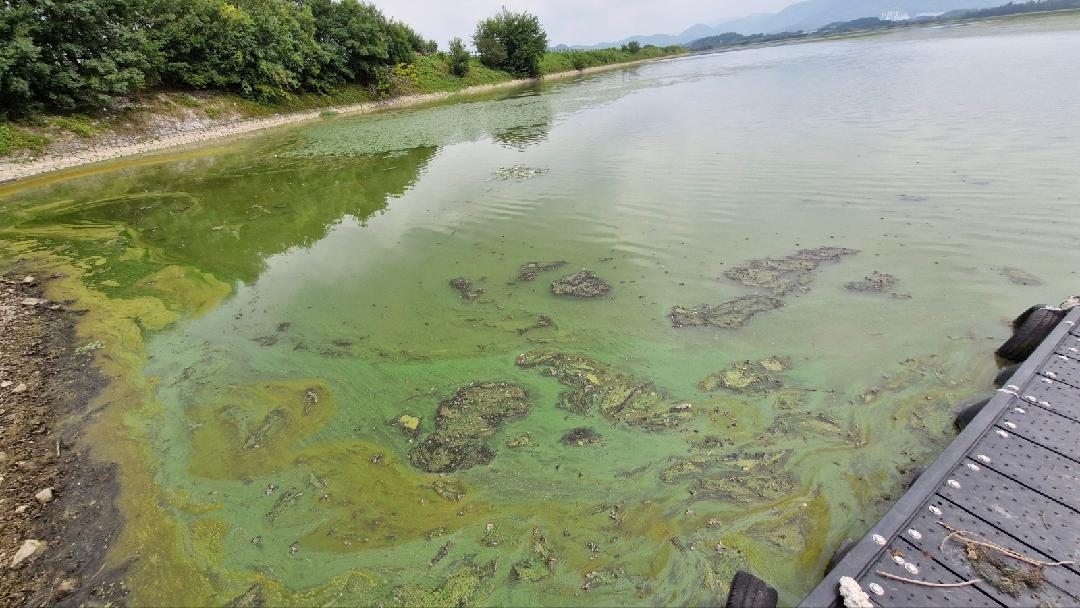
(894, 16)
(928, 15)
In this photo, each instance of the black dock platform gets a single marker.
(1011, 478)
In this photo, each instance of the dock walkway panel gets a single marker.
(1012, 477)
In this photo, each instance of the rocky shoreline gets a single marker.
(57, 513)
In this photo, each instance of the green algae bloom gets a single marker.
(464, 422)
(617, 396)
(791, 273)
(753, 377)
(296, 397)
(537, 566)
(730, 315)
(529, 270)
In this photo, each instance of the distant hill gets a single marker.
(806, 15)
(812, 14)
(888, 20)
(693, 32)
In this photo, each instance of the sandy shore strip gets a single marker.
(15, 170)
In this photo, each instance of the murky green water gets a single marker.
(310, 270)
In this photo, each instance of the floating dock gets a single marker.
(1011, 479)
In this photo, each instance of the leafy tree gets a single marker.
(268, 49)
(459, 58)
(70, 54)
(514, 42)
(353, 38)
(417, 42)
(398, 80)
(399, 43)
(264, 49)
(633, 46)
(491, 50)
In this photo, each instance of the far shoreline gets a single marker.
(12, 171)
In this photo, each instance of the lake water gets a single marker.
(278, 312)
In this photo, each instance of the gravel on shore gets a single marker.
(57, 513)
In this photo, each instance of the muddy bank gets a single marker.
(56, 511)
(193, 133)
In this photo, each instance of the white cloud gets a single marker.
(573, 21)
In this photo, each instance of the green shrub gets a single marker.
(633, 46)
(435, 74)
(563, 61)
(79, 125)
(514, 42)
(459, 58)
(14, 139)
(187, 101)
(401, 79)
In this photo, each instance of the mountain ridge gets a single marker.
(805, 15)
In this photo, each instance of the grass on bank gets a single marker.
(138, 115)
(14, 139)
(565, 61)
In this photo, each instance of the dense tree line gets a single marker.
(79, 54)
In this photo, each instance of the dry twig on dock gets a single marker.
(972, 538)
(925, 583)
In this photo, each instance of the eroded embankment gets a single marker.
(57, 512)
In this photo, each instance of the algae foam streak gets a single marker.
(599, 342)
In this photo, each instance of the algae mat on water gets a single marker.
(340, 374)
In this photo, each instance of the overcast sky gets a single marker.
(573, 21)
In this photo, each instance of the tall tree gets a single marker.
(509, 41)
(459, 58)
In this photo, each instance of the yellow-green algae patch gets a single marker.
(617, 396)
(367, 498)
(409, 423)
(255, 429)
(207, 536)
(468, 583)
(184, 288)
